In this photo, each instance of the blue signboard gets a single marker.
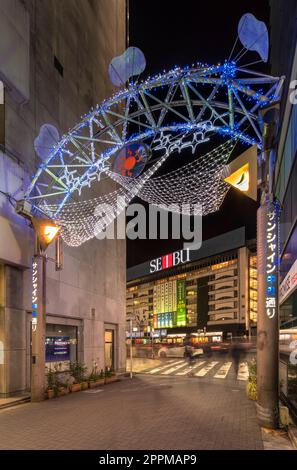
(57, 348)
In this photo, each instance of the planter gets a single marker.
(251, 390)
(96, 383)
(99, 382)
(111, 378)
(75, 388)
(61, 392)
(84, 385)
(50, 394)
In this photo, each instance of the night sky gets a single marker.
(180, 33)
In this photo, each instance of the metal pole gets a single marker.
(152, 337)
(131, 349)
(268, 323)
(38, 328)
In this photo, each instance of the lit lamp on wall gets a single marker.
(46, 231)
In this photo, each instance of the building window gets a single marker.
(60, 345)
(253, 288)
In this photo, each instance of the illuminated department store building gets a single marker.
(210, 291)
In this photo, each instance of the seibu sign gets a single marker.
(169, 261)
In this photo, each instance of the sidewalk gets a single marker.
(144, 413)
(13, 401)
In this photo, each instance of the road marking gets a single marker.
(158, 369)
(243, 372)
(173, 369)
(223, 371)
(191, 369)
(202, 372)
(94, 391)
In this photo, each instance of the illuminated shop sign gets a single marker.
(169, 261)
(181, 313)
(57, 348)
(289, 284)
(271, 261)
(34, 293)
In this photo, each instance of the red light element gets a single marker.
(130, 163)
(167, 261)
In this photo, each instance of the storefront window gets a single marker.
(60, 345)
(292, 384)
(288, 312)
(290, 254)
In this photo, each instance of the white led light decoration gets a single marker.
(173, 111)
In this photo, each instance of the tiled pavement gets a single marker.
(145, 413)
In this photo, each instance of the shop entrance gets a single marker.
(109, 348)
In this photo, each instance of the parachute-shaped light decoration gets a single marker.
(253, 35)
(132, 62)
(47, 138)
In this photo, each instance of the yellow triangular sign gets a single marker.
(242, 173)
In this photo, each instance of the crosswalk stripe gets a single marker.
(190, 369)
(173, 369)
(202, 372)
(158, 369)
(223, 371)
(243, 371)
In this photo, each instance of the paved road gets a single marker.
(216, 367)
(148, 412)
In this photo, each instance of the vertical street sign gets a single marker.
(268, 322)
(272, 260)
(38, 328)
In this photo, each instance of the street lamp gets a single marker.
(45, 232)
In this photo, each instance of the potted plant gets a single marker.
(110, 375)
(91, 379)
(63, 388)
(52, 389)
(251, 386)
(84, 385)
(77, 371)
(100, 380)
(95, 378)
(75, 387)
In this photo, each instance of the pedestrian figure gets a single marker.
(189, 353)
(188, 349)
(236, 352)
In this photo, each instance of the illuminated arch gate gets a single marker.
(170, 112)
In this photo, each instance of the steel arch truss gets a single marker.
(170, 112)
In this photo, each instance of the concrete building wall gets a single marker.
(84, 35)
